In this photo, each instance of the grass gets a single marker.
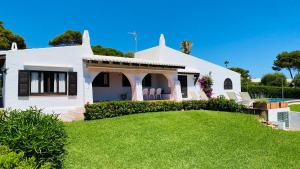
(295, 107)
(191, 139)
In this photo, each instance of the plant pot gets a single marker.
(262, 106)
(283, 104)
(265, 106)
(274, 105)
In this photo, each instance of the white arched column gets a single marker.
(177, 91)
(136, 85)
(88, 85)
(175, 86)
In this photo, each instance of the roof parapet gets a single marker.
(14, 46)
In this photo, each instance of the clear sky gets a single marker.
(247, 33)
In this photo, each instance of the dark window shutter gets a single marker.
(72, 83)
(23, 84)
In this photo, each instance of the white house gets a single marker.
(64, 79)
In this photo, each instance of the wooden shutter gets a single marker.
(72, 83)
(24, 83)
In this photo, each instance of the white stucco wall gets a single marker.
(218, 73)
(47, 59)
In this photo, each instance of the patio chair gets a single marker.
(246, 99)
(158, 93)
(245, 96)
(152, 93)
(203, 95)
(233, 96)
(146, 93)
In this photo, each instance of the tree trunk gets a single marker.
(291, 74)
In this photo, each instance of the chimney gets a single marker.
(14, 46)
(162, 41)
(86, 38)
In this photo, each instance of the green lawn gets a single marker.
(191, 139)
(295, 107)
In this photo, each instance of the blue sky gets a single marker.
(247, 33)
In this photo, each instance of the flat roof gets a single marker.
(130, 61)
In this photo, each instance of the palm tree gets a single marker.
(226, 63)
(186, 47)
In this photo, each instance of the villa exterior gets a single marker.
(64, 79)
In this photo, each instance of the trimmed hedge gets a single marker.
(258, 91)
(110, 109)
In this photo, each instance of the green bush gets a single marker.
(34, 133)
(13, 160)
(275, 79)
(296, 80)
(222, 104)
(259, 91)
(118, 108)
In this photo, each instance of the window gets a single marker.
(46, 82)
(125, 81)
(227, 84)
(101, 80)
(147, 81)
(183, 83)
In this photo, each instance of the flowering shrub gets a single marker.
(205, 83)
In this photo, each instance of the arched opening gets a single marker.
(156, 87)
(111, 86)
(228, 84)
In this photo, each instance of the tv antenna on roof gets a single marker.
(134, 34)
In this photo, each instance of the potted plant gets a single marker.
(274, 105)
(283, 104)
(261, 104)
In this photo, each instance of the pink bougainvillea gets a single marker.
(205, 83)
